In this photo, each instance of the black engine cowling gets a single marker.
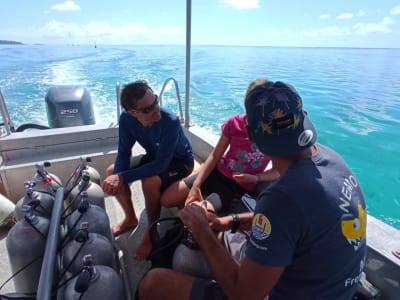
(69, 105)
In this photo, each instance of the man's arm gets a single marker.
(206, 168)
(163, 157)
(248, 280)
(125, 143)
(225, 223)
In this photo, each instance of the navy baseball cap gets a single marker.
(276, 120)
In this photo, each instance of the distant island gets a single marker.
(4, 42)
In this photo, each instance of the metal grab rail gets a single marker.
(167, 81)
(8, 124)
(118, 91)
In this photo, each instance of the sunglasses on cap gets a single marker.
(148, 109)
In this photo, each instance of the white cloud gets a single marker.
(56, 32)
(345, 16)
(67, 5)
(326, 31)
(383, 27)
(395, 10)
(242, 4)
(324, 16)
(358, 29)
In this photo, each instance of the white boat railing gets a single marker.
(178, 97)
(118, 91)
(7, 123)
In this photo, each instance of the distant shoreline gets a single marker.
(4, 42)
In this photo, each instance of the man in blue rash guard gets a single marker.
(168, 158)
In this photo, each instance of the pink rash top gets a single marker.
(242, 154)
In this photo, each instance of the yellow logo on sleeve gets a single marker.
(261, 227)
(354, 227)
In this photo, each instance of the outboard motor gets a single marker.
(95, 283)
(69, 105)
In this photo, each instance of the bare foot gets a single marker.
(125, 225)
(144, 249)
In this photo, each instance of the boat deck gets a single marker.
(128, 242)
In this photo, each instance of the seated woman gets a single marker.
(233, 168)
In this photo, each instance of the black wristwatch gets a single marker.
(235, 223)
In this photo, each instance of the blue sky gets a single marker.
(310, 23)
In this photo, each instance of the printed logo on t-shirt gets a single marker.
(350, 281)
(353, 223)
(261, 227)
(354, 227)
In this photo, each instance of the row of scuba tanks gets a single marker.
(87, 260)
(87, 264)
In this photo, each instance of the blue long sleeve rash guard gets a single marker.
(164, 140)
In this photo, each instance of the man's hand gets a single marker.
(219, 224)
(112, 184)
(194, 216)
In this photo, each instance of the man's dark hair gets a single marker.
(132, 92)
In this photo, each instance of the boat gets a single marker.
(61, 149)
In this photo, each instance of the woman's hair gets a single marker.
(255, 83)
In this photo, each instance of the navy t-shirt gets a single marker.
(312, 221)
(164, 140)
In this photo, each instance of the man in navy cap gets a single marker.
(308, 232)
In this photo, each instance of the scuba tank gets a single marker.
(85, 243)
(94, 215)
(94, 282)
(44, 181)
(165, 235)
(95, 193)
(26, 243)
(77, 173)
(42, 202)
(188, 258)
(215, 200)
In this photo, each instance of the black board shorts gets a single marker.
(206, 289)
(178, 169)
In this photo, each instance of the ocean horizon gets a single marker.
(95, 44)
(352, 95)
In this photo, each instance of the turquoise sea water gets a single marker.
(352, 95)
